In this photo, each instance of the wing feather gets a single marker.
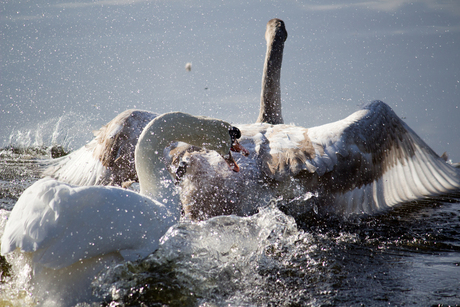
(390, 164)
(367, 162)
(109, 158)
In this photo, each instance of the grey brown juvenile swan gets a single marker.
(365, 163)
(270, 98)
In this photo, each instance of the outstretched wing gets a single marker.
(365, 163)
(109, 158)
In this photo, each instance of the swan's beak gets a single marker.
(238, 148)
(231, 162)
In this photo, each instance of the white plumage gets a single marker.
(64, 224)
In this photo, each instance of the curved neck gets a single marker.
(154, 179)
(270, 98)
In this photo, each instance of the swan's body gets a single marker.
(64, 225)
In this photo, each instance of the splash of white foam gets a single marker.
(69, 131)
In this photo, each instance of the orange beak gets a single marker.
(231, 163)
(236, 147)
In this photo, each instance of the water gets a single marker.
(409, 256)
(70, 67)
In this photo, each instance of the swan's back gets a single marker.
(63, 224)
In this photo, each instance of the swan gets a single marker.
(365, 163)
(68, 229)
(108, 159)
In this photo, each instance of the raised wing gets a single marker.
(365, 163)
(109, 158)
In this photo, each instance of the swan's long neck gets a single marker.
(270, 100)
(154, 179)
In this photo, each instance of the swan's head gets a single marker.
(234, 133)
(276, 31)
(209, 133)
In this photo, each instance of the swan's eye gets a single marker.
(235, 133)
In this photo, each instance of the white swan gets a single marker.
(69, 229)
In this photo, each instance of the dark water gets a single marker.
(410, 256)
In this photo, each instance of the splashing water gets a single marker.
(202, 262)
(69, 131)
(15, 276)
